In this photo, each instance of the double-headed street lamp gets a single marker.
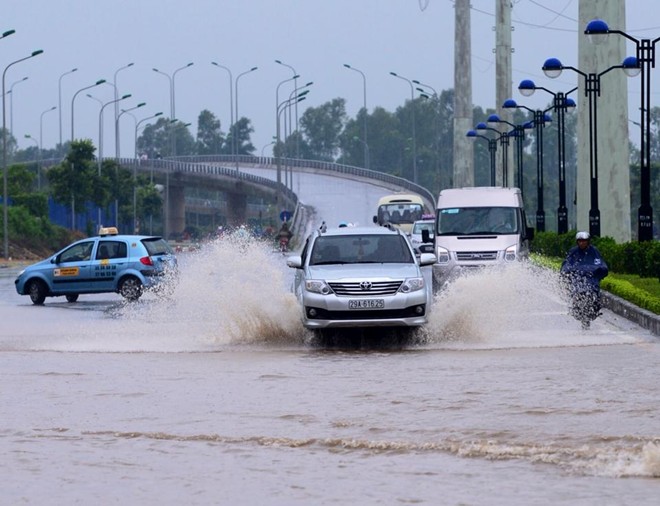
(539, 121)
(553, 68)
(503, 138)
(560, 103)
(645, 55)
(492, 149)
(414, 140)
(364, 125)
(171, 80)
(5, 196)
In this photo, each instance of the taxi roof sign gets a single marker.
(103, 231)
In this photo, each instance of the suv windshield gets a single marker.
(478, 220)
(353, 249)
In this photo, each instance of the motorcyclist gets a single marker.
(284, 235)
(582, 270)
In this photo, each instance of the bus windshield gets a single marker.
(399, 213)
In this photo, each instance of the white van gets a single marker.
(478, 227)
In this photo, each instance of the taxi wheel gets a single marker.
(130, 288)
(37, 291)
(72, 297)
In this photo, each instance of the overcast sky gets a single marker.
(413, 38)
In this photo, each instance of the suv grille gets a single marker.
(476, 256)
(360, 288)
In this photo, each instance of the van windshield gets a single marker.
(478, 221)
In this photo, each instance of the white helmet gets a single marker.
(582, 236)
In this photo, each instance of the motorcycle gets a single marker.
(284, 244)
(582, 284)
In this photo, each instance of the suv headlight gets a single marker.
(317, 286)
(443, 255)
(411, 285)
(510, 253)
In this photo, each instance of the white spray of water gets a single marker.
(234, 290)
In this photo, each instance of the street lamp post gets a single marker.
(137, 126)
(492, 150)
(414, 141)
(41, 137)
(552, 69)
(172, 102)
(237, 116)
(539, 121)
(560, 103)
(11, 104)
(295, 85)
(231, 99)
(5, 196)
(100, 147)
(123, 111)
(503, 138)
(281, 107)
(645, 56)
(73, 100)
(36, 143)
(364, 125)
(519, 133)
(117, 105)
(59, 98)
(277, 125)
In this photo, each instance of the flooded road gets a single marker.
(219, 396)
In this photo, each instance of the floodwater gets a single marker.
(219, 396)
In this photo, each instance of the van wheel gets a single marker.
(72, 297)
(37, 291)
(130, 288)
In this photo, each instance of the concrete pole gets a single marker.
(613, 156)
(463, 170)
(503, 70)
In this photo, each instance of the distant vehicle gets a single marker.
(361, 277)
(126, 264)
(478, 227)
(416, 233)
(399, 210)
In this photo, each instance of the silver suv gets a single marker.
(361, 277)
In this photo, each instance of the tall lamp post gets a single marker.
(172, 102)
(100, 147)
(539, 121)
(364, 125)
(277, 125)
(552, 69)
(59, 98)
(41, 138)
(492, 150)
(117, 105)
(519, 133)
(137, 126)
(231, 99)
(5, 196)
(237, 116)
(11, 104)
(123, 111)
(281, 107)
(503, 138)
(561, 102)
(73, 100)
(645, 55)
(414, 140)
(295, 85)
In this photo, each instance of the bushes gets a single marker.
(640, 258)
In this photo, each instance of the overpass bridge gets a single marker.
(269, 179)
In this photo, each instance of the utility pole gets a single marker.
(463, 170)
(503, 69)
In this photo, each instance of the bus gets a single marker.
(400, 210)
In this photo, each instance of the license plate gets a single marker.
(366, 304)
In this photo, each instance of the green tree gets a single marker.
(240, 134)
(210, 140)
(75, 180)
(156, 140)
(322, 126)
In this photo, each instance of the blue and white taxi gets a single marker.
(110, 262)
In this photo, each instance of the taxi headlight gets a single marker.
(443, 255)
(317, 286)
(411, 285)
(510, 253)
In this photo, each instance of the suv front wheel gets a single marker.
(130, 288)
